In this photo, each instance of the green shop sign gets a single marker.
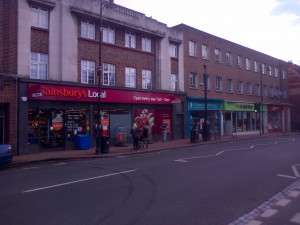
(229, 106)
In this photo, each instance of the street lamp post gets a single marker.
(205, 125)
(262, 99)
(103, 4)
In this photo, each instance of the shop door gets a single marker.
(179, 127)
(51, 129)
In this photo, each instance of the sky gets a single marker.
(268, 26)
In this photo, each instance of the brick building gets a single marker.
(236, 77)
(294, 95)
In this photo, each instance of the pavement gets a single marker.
(283, 208)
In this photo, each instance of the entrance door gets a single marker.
(179, 127)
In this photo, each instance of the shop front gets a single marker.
(196, 110)
(276, 118)
(55, 115)
(239, 117)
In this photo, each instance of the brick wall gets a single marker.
(39, 40)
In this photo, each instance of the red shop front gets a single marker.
(275, 118)
(58, 113)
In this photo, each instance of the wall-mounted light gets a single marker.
(24, 99)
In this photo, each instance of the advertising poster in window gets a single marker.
(57, 120)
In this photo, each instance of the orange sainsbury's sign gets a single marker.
(89, 94)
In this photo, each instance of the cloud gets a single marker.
(288, 7)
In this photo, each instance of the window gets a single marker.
(192, 48)
(39, 17)
(240, 87)
(173, 50)
(109, 74)
(87, 29)
(109, 35)
(146, 79)
(270, 70)
(129, 40)
(174, 82)
(218, 55)
(39, 66)
(283, 74)
(205, 52)
(229, 86)
(265, 93)
(257, 90)
(87, 72)
(263, 68)
(207, 81)
(228, 58)
(255, 66)
(276, 72)
(130, 77)
(193, 80)
(248, 64)
(249, 88)
(146, 44)
(239, 61)
(271, 91)
(219, 86)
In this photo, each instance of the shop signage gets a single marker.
(193, 105)
(87, 94)
(277, 108)
(238, 106)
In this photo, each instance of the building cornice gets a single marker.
(42, 3)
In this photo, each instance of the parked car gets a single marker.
(6, 154)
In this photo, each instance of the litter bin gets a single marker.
(104, 144)
(83, 142)
(194, 136)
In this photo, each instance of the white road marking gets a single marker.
(30, 168)
(286, 176)
(283, 202)
(294, 194)
(254, 222)
(268, 213)
(59, 164)
(295, 170)
(78, 181)
(296, 218)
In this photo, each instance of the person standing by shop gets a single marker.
(135, 133)
(164, 127)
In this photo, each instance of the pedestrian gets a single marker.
(164, 127)
(135, 133)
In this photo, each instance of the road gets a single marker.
(211, 185)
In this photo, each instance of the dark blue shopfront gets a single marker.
(195, 114)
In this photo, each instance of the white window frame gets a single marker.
(219, 85)
(208, 83)
(147, 79)
(270, 70)
(109, 74)
(193, 80)
(130, 40)
(255, 66)
(229, 85)
(239, 61)
(276, 72)
(240, 87)
(88, 72)
(248, 64)
(146, 44)
(257, 90)
(229, 58)
(265, 91)
(205, 52)
(173, 50)
(218, 55)
(192, 48)
(284, 75)
(174, 82)
(108, 35)
(271, 91)
(39, 66)
(130, 77)
(39, 17)
(87, 29)
(263, 68)
(249, 88)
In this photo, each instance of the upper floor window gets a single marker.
(276, 72)
(219, 86)
(283, 74)
(174, 82)
(39, 17)
(109, 74)
(173, 50)
(39, 66)
(218, 55)
(229, 85)
(193, 80)
(146, 44)
(130, 77)
(109, 35)
(271, 91)
(263, 68)
(265, 91)
(87, 72)
(207, 84)
(240, 87)
(146, 79)
(239, 61)
(130, 40)
(270, 70)
(249, 88)
(205, 52)
(87, 29)
(255, 66)
(229, 58)
(192, 48)
(257, 90)
(248, 64)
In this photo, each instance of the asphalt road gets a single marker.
(210, 185)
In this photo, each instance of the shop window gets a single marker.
(77, 122)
